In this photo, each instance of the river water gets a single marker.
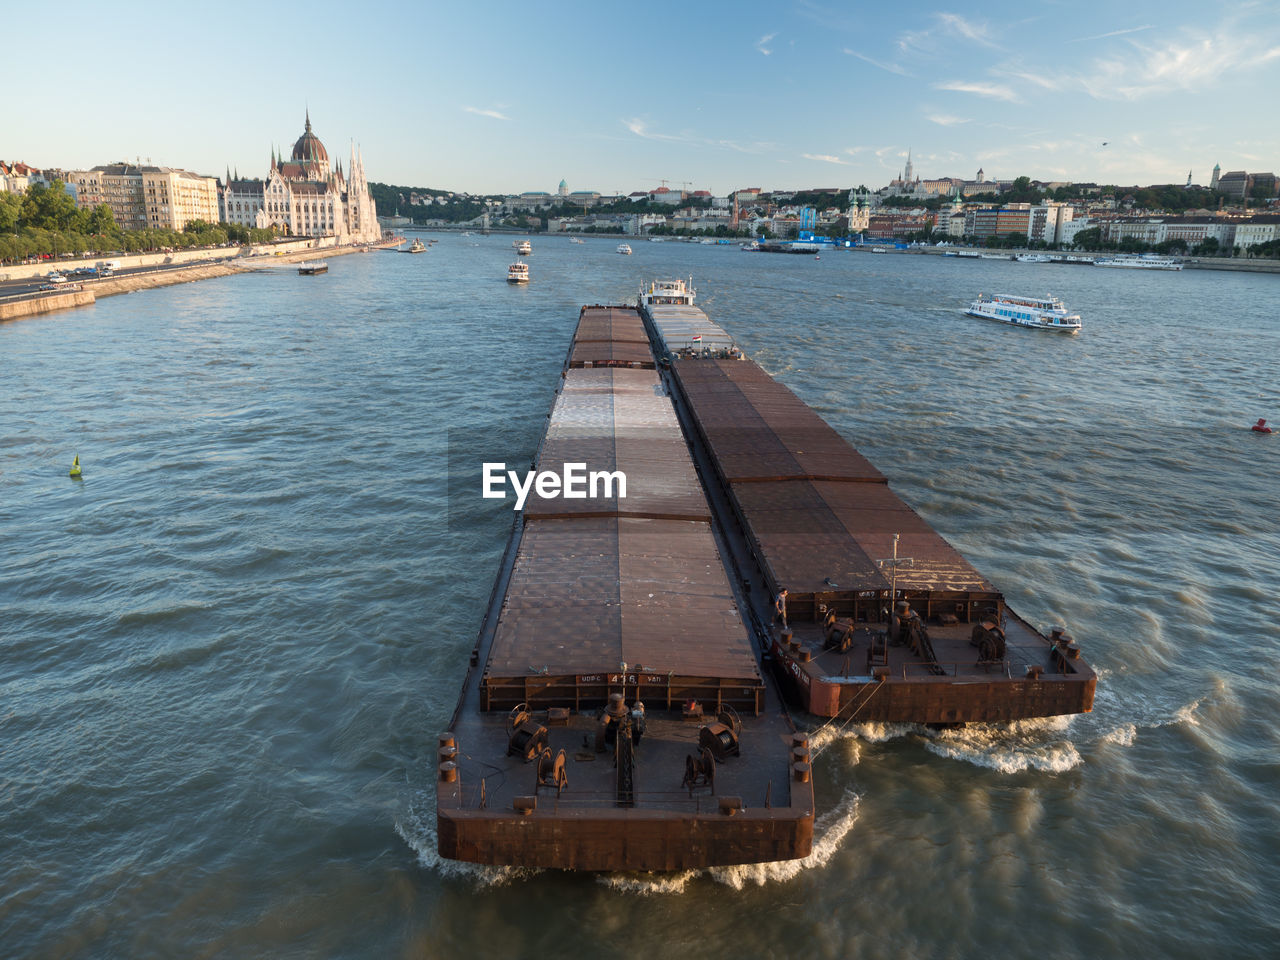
(227, 651)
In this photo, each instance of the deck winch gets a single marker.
(722, 736)
(525, 736)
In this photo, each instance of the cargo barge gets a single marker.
(884, 620)
(615, 713)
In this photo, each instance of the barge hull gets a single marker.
(803, 510)
(621, 840)
(615, 714)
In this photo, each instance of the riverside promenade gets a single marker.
(161, 272)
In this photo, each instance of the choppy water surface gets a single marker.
(227, 652)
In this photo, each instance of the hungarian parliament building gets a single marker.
(305, 195)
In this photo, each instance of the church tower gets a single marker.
(1217, 171)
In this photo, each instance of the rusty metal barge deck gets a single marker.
(885, 620)
(615, 713)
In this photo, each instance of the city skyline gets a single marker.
(501, 99)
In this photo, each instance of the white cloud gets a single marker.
(890, 67)
(946, 120)
(486, 113)
(760, 44)
(825, 158)
(991, 90)
(1052, 82)
(1113, 33)
(1190, 64)
(954, 23)
(918, 42)
(641, 129)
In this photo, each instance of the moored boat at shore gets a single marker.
(310, 268)
(1042, 313)
(1146, 261)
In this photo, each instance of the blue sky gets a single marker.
(506, 97)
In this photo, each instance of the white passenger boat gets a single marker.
(1144, 262)
(518, 272)
(523, 247)
(1032, 258)
(417, 246)
(1043, 313)
(624, 249)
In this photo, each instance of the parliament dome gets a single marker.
(308, 147)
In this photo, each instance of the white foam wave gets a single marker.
(1120, 708)
(1037, 744)
(829, 832)
(1123, 735)
(824, 737)
(1186, 714)
(1057, 757)
(648, 884)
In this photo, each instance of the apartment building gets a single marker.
(141, 197)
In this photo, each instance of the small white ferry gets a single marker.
(1032, 258)
(1043, 313)
(518, 272)
(1144, 262)
(417, 246)
(624, 249)
(523, 247)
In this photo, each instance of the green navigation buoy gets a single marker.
(75, 468)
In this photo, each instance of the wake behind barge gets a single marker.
(615, 715)
(885, 620)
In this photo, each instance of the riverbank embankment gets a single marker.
(164, 275)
